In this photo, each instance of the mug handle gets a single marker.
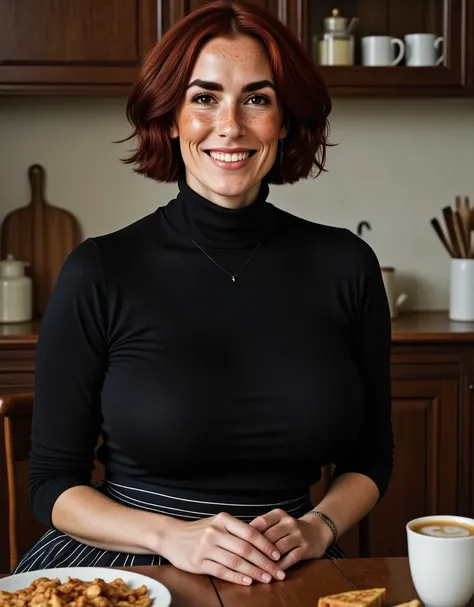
(401, 299)
(401, 50)
(437, 42)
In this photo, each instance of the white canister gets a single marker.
(461, 290)
(16, 291)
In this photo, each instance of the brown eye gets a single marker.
(202, 99)
(259, 100)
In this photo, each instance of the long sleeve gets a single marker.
(371, 453)
(70, 366)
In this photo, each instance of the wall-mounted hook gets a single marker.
(361, 225)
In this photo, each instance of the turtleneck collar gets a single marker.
(212, 225)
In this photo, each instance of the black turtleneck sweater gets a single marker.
(201, 383)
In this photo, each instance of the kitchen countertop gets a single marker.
(408, 327)
(430, 327)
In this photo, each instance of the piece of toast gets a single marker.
(372, 597)
(414, 603)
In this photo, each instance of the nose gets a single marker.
(229, 123)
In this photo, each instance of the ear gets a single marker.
(283, 132)
(173, 132)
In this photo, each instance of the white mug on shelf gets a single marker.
(394, 300)
(380, 50)
(461, 290)
(421, 50)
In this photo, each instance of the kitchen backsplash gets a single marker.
(397, 164)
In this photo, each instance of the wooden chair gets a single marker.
(19, 528)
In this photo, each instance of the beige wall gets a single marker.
(398, 163)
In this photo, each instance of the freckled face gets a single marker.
(230, 121)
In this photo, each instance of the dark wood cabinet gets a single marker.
(433, 419)
(451, 19)
(289, 12)
(90, 47)
(431, 411)
(427, 475)
(73, 46)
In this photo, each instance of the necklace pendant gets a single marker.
(233, 278)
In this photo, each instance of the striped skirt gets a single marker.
(56, 549)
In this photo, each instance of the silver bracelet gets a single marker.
(328, 522)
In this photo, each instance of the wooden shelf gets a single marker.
(360, 81)
(452, 19)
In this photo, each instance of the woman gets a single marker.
(223, 349)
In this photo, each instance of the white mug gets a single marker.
(421, 49)
(380, 50)
(461, 290)
(394, 301)
(442, 569)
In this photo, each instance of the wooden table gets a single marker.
(304, 584)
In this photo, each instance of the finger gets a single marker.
(259, 524)
(293, 557)
(220, 571)
(280, 530)
(288, 543)
(245, 551)
(264, 522)
(236, 563)
(247, 533)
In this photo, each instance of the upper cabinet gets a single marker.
(92, 46)
(290, 12)
(73, 46)
(431, 42)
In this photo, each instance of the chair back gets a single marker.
(19, 528)
(22, 526)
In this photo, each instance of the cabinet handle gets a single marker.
(471, 387)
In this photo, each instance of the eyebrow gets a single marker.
(215, 86)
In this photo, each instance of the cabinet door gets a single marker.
(449, 19)
(78, 45)
(289, 12)
(470, 48)
(426, 421)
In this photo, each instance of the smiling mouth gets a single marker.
(227, 157)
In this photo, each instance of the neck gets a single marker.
(214, 226)
(228, 202)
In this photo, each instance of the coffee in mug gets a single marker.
(444, 529)
(441, 559)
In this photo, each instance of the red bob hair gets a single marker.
(167, 68)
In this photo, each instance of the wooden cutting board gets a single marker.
(42, 235)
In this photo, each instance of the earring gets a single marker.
(281, 151)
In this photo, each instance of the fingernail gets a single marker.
(281, 575)
(247, 580)
(266, 577)
(275, 555)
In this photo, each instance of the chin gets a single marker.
(227, 186)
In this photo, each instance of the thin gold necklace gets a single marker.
(233, 276)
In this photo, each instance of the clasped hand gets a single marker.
(297, 539)
(229, 549)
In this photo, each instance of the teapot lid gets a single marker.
(11, 267)
(335, 22)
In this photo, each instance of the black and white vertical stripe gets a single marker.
(56, 549)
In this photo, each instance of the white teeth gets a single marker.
(229, 157)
